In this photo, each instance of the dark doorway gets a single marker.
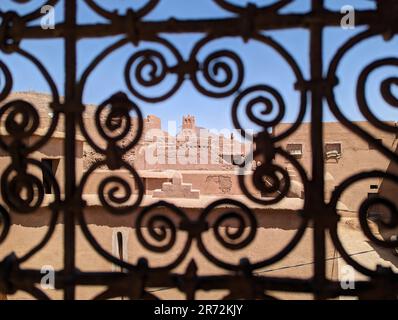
(51, 164)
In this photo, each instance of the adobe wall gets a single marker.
(91, 187)
(276, 228)
(53, 149)
(356, 156)
(388, 190)
(215, 183)
(208, 182)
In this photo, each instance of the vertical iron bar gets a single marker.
(317, 183)
(70, 148)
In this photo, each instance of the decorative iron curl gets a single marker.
(21, 121)
(276, 184)
(11, 187)
(116, 199)
(165, 223)
(257, 95)
(216, 70)
(332, 81)
(385, 89)
(363, 217)
(112, 194)
(234, 241)
(375, 23)
(265, 177)
(19, 130)
(23, 192)
(7, 86)
(158, 236)
(120, 109)
(22, 181)
(146, 9)
(391, 224)
(263, 9)
(117, 123)
(167, 230)
(259, 99)
(230, 240)
(213, 67)
(155, 62)
(10, 22)
(114, 202)
(160, 221)
(244, 218)
(4, 223)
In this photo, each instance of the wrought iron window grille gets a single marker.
(240, 280)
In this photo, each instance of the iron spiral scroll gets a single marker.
(219, 74)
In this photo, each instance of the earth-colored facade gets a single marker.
(194, 185)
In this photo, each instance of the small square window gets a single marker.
(295, 149)
(333, 151)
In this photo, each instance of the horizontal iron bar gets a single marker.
(147, 30)
(163, 279)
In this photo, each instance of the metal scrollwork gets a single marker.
(155, 70)
(149, 68)
(23, 193)
(4, 223)
(390, 221)
(385, 89)
(240, 9)
(332, 80)
(232, 240)
(7, 85)
(146, 9)
(222, 70)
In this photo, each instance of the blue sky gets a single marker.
(262, 64)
